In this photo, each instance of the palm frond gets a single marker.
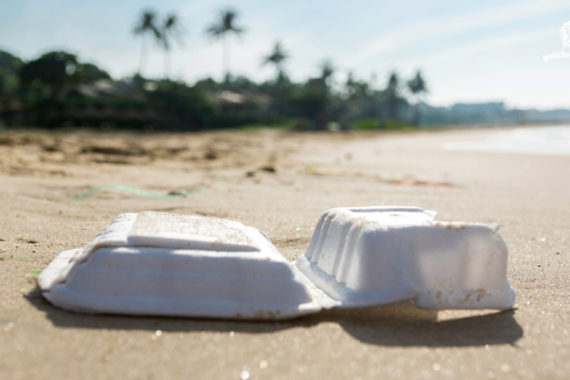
(225, 25)
(146, 22)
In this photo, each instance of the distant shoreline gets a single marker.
(543, 140)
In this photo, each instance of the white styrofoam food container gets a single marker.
(182, 265)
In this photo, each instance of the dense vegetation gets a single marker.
(59, 89)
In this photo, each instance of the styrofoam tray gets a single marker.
(167, 264)
(376, 255)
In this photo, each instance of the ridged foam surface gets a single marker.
(167, 264)
(377, 255)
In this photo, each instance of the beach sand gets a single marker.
(281, 183)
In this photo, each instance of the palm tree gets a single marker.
(276, 58)
(170, 29)
(146, 25)
(221, 29)
(392, 96)
(327, 70)
(417, 86)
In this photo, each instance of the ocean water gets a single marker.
(527, 140)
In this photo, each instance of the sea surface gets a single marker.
(526, 140)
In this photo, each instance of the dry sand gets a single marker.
(281, 183)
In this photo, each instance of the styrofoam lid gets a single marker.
(169, 264)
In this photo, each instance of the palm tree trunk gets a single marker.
(226, 59)
(143, 55)
(167, 64)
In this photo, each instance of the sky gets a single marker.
(467, 51)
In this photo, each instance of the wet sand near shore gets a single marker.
(281, 183)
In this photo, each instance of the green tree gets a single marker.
(179, 106)
(392, 97)
(314, 100)
(360, 99)
(43, 83)
(89, 73)
(222, 29)
(9, 67)
(393, 87)
(276, 58)
(53, 71)
(309, 101)
(327, 71)
(146, 25)
(417, 87)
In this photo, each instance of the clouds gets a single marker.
(417, 32)
(565, 40)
